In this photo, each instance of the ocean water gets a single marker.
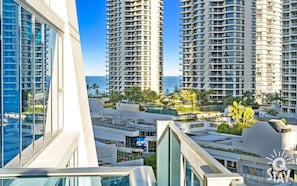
(169, 83)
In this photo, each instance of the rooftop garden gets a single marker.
(242, 116)
(237, 151)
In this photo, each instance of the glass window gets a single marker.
(32, 56)
(28, 96)
(191, 178)
(10, 94)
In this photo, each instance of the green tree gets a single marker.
(176, 99)
(243, 116)
(236, 111)
(149, 95)
(133, 94)
(204, 96)
(248, 98)
(176, 96)
(189, 96)
(248, 115)
(115, 97)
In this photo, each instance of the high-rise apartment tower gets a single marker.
(135, 44)
(289, 63)
(218, 46)
(269, 48)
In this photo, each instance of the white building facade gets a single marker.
(219, 46)
(135, 44)
(269, 48)
(289, 63)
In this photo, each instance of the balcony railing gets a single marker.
(181, 161)
(97, 176)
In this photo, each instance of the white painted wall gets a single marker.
(127, 107)
(106, 153)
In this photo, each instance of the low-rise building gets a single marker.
(251, 154)
(130, 131)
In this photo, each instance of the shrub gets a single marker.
(272, 112)
(151, 161)
(224, 128)
(108, 105)
(141, 108)
(235, 129)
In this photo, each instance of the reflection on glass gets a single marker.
(29, 96)
(47, 82)
(191, 178)
(11, 82)
(39, 86)
(69, 181)
(188, 174)
(54, 85)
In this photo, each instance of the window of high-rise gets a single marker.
(135, 44)
(218, 46)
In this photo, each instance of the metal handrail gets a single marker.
(69, 172)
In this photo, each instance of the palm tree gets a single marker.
(95, 87)
(276, 99)
(227, 100)
(203, 97)
(248, 98)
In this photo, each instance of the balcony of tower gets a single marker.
(186, 4)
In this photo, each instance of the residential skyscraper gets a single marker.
(45, 119)
(269, 48)
(219, 46)
(135, 44)
(289, 62)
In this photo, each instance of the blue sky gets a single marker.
(91, 18)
